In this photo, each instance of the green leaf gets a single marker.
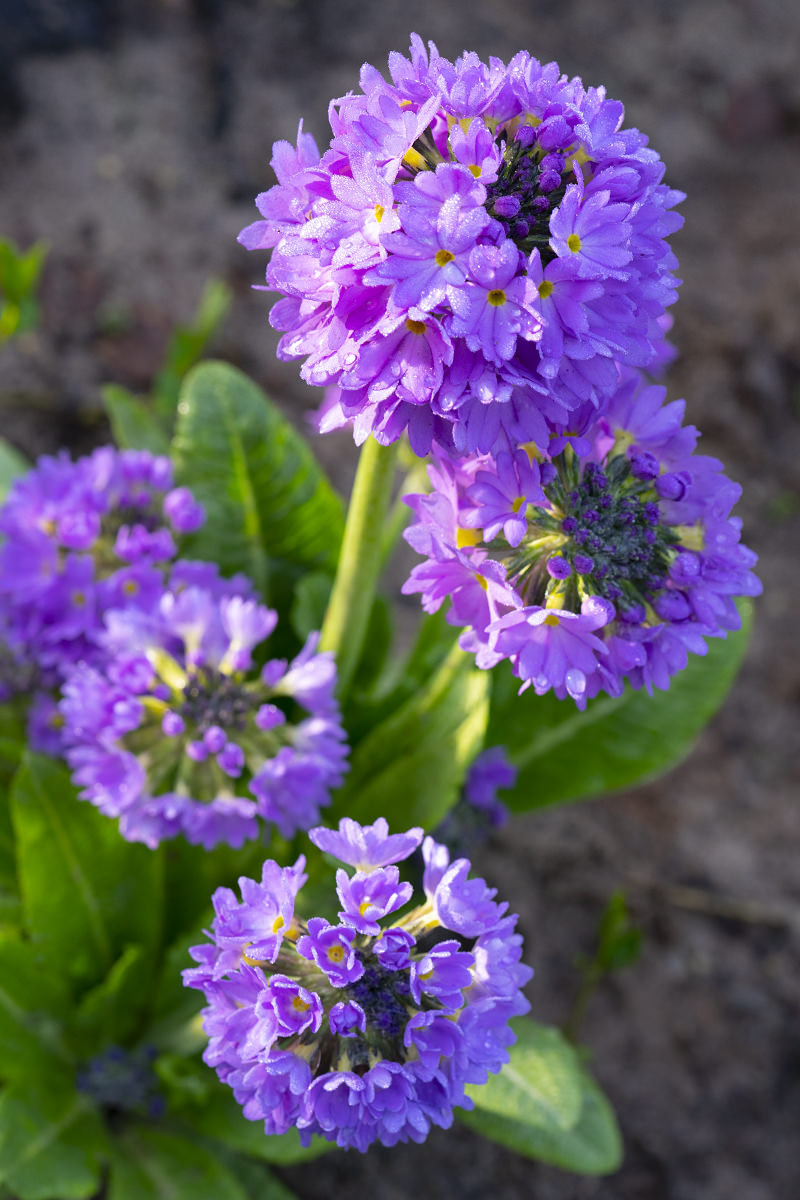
(51, 1142)
(86, 892)
(563, 754)
(220, 1117)
(111, 1013)
(133, 424)
(410, 767)
(12, 465)
(150, 1164)
(255, 1178)
(545, 1105)
(266, 497)
(33, 1000)
(310, 601)
(187, 345)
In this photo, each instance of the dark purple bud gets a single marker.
(644, 465)
(583, 564)
(686, 567)
(520, 229)
(547, 473)
(558, 567)
(540, 203)
(506, 206)
(569, 524)
(673, 606)
(551, 162)
(526, 136)
(214, 739)
(634, 615)
(197, 752)
(673, 485)
(549, 181)
(172, 724)
(651, 513)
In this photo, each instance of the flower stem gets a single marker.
(346, 618)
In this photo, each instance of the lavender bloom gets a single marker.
(361, 1036)
(81, 538)
(182, 733)
(629, 563)
(472, 253)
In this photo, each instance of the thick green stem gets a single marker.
(345, 623)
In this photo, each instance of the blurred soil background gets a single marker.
(134, 136)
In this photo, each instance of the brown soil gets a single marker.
(136, 152)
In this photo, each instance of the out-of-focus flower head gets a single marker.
(83, 536)
(182, 731)
(369, 1029)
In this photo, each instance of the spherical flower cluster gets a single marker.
(471, 255)
(609, 558)
(80, 538)
(182, 732)
(368, 1029)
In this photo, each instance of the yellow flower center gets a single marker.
(496, 297)
(467, 537)
(518, 503)
(299, 1005)
(415, 326)
(336, 953)
(277, 924)
(443, 257)
(545, 288)
(379, 211)
(574, 243)
(475, 169)
(551, 619)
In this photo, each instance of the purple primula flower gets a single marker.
(353, 1035)
(331, 949)
(80, 538)
(615, 557)
(501, 209)
(367, 897)
(182, 733)
(366, 847)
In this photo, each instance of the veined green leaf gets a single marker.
(410, 767)
(51, 1142)
(86, 892)
(266, 498)
(149, 1164)
(563, 754)
(545, 1105)
(133, 424)
(33, 1003)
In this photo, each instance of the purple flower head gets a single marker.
(80, 538)
(495, 211)
(618, 558)
(182, 733)
(355, 1035)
